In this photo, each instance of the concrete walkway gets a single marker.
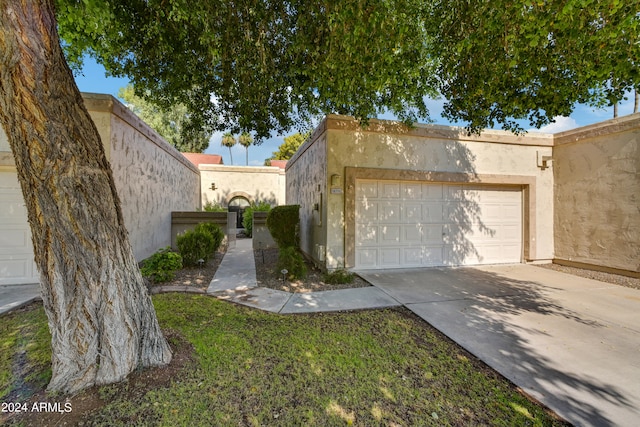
(15, 296)
(235, 280)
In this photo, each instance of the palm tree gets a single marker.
(246, 140)
(228, 140)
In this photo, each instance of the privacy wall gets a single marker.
(152, 178)
(597, 195)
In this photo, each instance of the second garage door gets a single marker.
(413, 224)
(16, 253)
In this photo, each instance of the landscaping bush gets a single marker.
(195, 245)
(283, 223)
(213, 207)
(338, 277)
(215, 230)
(290, 259)
(247, 218)
(161, 266)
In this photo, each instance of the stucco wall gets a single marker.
(495, 157)
(307, 186)
(597, 190)
(255, 183)
(152, 178)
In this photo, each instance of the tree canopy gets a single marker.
(289, 146)
(266, 66)
(173, 124)
(261, 66)
(504, 60)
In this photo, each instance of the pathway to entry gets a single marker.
(235, 281)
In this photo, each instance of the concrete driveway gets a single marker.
(572, 343)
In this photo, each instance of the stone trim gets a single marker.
(525, 182)
(595, 267)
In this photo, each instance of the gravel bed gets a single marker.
(616, 279)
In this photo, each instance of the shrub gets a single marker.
(213, 207)
(283, 223)
(338, 277)
(290, 259)
(195, 245)
(247, 217)
(161, 266)
(215, 230)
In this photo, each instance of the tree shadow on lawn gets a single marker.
(513, 325)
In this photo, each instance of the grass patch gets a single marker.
(25, 353)
(366, 368)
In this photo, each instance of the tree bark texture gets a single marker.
(102, 321)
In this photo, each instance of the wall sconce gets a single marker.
(213, 186)
(335, 179)
(543, 161)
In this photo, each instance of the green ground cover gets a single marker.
(365, 368)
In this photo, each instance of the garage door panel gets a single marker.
(437, 224)
(432, 192)
(412, 257)
(367, 234)
(412, 233)
(367, 212)
(433, 256)
(367, 258)
(432, 233)
(433, 212)
(389, 212)
(12, 241)
(389, 234)
(12, 207)
(367, 190)
(389, 257)
(412, 191)
(16, 251)
(387, 190)
(412, 213)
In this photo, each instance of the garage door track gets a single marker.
(570, 342)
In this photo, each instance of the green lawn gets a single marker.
(367, 368)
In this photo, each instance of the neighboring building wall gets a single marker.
(152, 177)
(255, 183)
(597, 194)
(387, 150)
(307, 186)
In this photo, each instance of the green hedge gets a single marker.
(247, 217)
(283, 223)
(200, 243)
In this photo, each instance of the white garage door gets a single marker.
(16, 251)
(412, 224)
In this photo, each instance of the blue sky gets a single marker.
(94, 79)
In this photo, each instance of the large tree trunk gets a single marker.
(102, 321)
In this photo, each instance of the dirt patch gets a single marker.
(268, 276)
(50, 410)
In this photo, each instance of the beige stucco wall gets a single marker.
(597, 191)
(255, 183)
(386, 150)
(307, 186)
(152, 178)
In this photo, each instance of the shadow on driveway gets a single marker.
(570, 342)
